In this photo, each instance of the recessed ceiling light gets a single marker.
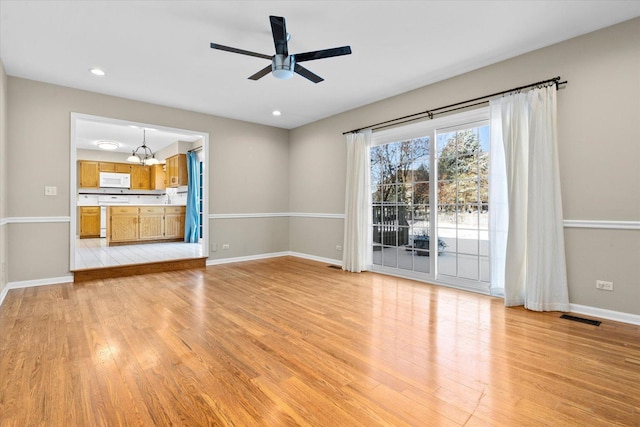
(108, 145)
(97, 72)
(276, 113)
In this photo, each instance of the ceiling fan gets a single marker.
(284, 65)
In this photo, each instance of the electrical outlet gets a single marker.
(225, 246)
(338, 248)
(50, 191)
(605, 286)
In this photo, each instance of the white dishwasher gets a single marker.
(103, 202)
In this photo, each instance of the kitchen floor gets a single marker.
(94, 253)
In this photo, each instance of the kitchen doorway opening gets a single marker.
(89, 245)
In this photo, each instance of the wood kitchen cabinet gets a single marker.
(115, 167)
(122, 224)
(140, 177)
(88, 174)
(174, 222)
(89, 221)
(122, 168)
(158, 177)
(144, 224)
(106, 167)
(176, 173)
(152, 223)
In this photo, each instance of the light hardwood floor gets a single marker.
(287, 341)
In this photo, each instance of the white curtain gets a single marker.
(356, 255)
(534, 271)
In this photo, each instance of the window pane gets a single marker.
(392, 153)
(421, 149)
(377, 214)
(468, 267)
(403, 236)
(485, 270)
(389, 257)
(467, 241)
(446, 192)
(376, 194)
(404, 193)
(447, 264)
(468, 217)
(421, 193)
(376, 171)
(468, 194)
(421, 261)
(377, 235)
(389, 214)
(447, 167)
(405, 258)
(484, 242)
(420, 213)
(377, 255)
(389, 194)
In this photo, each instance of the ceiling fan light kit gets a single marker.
(283, 65)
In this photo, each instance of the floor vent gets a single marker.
(581, 320)
(337, 267)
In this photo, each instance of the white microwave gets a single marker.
(115, 180)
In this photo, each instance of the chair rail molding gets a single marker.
(36, 219)
(613, 225)
(276, 215)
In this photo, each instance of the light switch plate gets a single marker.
(50, 191)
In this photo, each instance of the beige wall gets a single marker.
(248, 171)
(3, 180)
(598, 116)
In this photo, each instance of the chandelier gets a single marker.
(146, 156)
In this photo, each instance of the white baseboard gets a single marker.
(3, 294)
(40, 282)
(317, 258)
(618, 316)
(246, 258)
(273, 255)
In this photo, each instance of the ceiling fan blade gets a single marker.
(279, 31)
(307, 74)
(266, 70)
(320, 54)
(240, 51)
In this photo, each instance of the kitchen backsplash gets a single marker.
(173, 199)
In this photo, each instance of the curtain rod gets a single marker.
(450, 107)
(195, 149)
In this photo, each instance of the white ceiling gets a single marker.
(89, 130)
(158, 51)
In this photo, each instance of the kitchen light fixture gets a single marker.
(97, 71)
(276, 113)
(146, 157)
(108, 145)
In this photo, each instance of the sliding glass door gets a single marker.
(430, 201)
